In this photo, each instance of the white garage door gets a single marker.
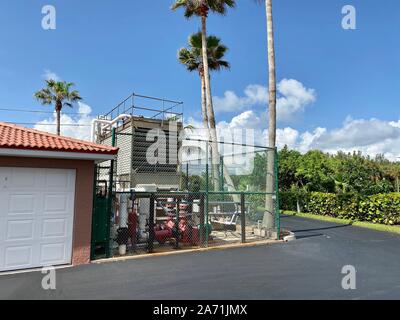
(36, 217)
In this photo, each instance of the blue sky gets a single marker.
(112, 48)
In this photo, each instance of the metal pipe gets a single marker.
(107, 123)
(110, 201)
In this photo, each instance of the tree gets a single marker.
(356, 173)
(315, 172)
(201, 8)
(269, 221)
(59, 93)
(288, 164)
(192, 58)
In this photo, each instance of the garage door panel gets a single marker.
(56, 203)
(2, 247)
(21, 178)
(3, 177)
(36, 221)
(20, 230)
(58, 179)
(3, 230)
(21, 204)
(3, 203)
(18, 257)
(55, 228)
(54, 253)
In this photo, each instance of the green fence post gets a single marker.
(177, 231)
(207, 196)
(222, 174)
(202, 218)
(243, 216)
(92, 247)
(110, 197)
(150, 242)
(277, 204)
(187, 176)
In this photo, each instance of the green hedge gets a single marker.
(381, 208)
(288, 201)
(324, 204)
(345, 206)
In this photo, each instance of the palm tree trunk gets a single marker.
(228, 179)
(58, 114)
(204, 101)
(268, 221)
(210, 110)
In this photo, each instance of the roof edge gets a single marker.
(108, 151)
(29, 153)
(102, 148)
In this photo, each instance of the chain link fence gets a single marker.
(166, 191)
(208, 212)
(142, 223)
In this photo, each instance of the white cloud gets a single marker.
(286, 136)
(293, 98)
(370, 136)
(358, 132)
(49, 75)
(245, 120)
(74, 126)
(231, 102)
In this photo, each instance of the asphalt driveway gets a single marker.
(309, 268)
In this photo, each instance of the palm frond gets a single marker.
(191, 56)
(58, 91)
(201, 7)
(189, 59)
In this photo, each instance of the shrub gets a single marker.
(349, 206)
(381, 208)
(288, 201)
(323, 204)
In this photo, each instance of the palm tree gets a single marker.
(59, 93)
(192, 59)
(201, 8)
(269, 221)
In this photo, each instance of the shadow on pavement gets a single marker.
(319, 229)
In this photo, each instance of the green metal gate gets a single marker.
(103, 193)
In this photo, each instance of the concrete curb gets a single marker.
(171, 253)
(290, 237)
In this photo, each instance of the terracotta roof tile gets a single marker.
(16, 137)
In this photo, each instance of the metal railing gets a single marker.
(146, 106)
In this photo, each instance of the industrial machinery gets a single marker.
(140, 220)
